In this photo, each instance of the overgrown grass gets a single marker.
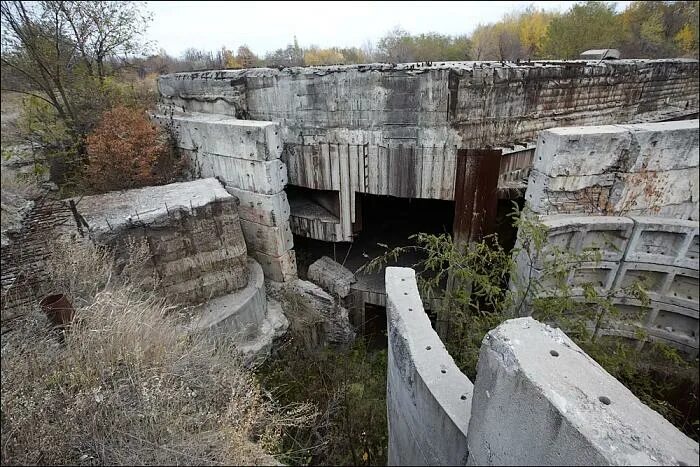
(125, 386)
(347, 386)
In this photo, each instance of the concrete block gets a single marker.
(267, 177)
(665, 145)
(540, 400)
(270, 210)
(581, 150)
(428, 398)
(277, 268)
(227, 136)
(332, 276)
(273, 241)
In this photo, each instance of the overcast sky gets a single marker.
(266, 26)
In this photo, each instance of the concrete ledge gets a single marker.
(239, 313)
(266, 177)
(540, 400)
(428, 398)
(227, 136)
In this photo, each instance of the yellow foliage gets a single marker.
(533, 31)
(685, 39)
(317, 56)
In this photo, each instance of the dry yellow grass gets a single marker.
(127, 387)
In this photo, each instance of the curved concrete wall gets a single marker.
(428, 398)
(632, 192)
(661, 251)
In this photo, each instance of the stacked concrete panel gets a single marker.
(629, 192)
(645, 169)
(192, 230)
(659, 253)
(245, 156)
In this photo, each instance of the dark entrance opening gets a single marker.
(387, 222)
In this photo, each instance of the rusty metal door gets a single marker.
(476, 193)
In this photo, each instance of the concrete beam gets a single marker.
(428, 398)
(273, 241)
(227, 136)
(332, 276)
(540, 400)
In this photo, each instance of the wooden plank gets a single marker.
(335, 166)
(345, 203)
(373, 170)
(354, 175)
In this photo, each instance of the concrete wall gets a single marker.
(246, 316)
(428, 398)
(394, 129)
(465, 104)
(245, 156)
(538, 399)
(662, 252)
(645, 169)
(630, 191)
(192, 229)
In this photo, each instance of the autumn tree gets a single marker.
(292, 55)
(660, 29)
(126, 150)
(399, 46)
(315, 56)
(246, 58)
(590, 25)
(532, 28)
(60, 47)
(500, 41)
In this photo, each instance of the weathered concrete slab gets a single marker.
(192, 230)
(281, 268)
(266, 177)
(272, 241)
(270, 210)
(540, 400)
(646, 169)
(428, 399)
(226, 136)
(332, 276)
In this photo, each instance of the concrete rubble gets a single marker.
(332, 276)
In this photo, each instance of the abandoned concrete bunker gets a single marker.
(299, 176)
(330, 164)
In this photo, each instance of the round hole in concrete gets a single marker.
(604, 399)
(553, 353)
(443, 371)
(410, 309)
(403, 280)
(405, 293)
(463, 397)
(428, 347)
